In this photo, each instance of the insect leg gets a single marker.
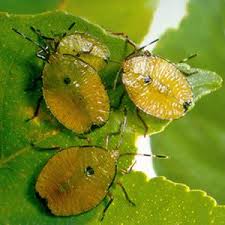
(122, 129)
(142, 121)
(126, 194)
(34, 83)
(46, 148)
(128, 40)
(120, 132)
(120, 100)
(116, 78)
(43, 54)
(186, 69)
(129, 170)
(84, 52)
(37, 110)
(108, 204)
(57, 148)
(109, 135)
(83, 137)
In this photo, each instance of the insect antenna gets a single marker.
(160, 156)
(40, 34)
(188, 58)
(152, 42)
(30, 40)
(68, 29)
(142, 121)
(113, 61)
(71, 26)
(121, 132)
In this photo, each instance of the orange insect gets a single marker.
(77, 179)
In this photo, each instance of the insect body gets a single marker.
(72, 88)
(85, 47)
(76, 179)
(74, 93)
(156, 86)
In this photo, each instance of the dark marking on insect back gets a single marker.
(148, 80)
(67, 80)
(89, 171)
(186, 105)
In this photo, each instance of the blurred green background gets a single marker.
(116, 15)
(196, 143)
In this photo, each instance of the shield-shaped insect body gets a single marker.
(156, 86)
(74, 93)
(76, 179)
(72, 88)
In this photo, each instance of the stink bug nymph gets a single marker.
(77, 179)
(72, 88)
(156, 86)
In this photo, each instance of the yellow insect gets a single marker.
(77, 179)
(86, 48)
(72, 88)
(156, 86)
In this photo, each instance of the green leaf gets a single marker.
(131, 17)
(160, 201)
(20, 163)
(202, 82)
(28, 6)
(196, 143)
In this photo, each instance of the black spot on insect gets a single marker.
(147, 80)
(89, 171)
(67, 80)
(106, 60)
(78, 54)
(186, 105)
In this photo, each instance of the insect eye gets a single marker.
(67, 80)
(186, 105)
(89, 171)
(147, 79)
